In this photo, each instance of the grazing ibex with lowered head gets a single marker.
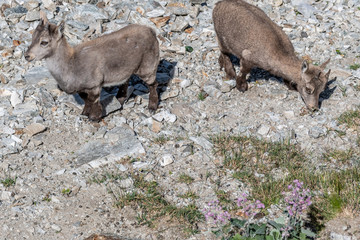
(109, 60)
(248, 33)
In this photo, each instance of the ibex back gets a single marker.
(245, 31)
(106, 61)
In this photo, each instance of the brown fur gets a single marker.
(245, 31)
(106, 61)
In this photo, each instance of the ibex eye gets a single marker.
(308, 90)
(44, 43)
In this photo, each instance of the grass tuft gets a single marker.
(8, 182)
(350, 118)
(355, 66)
(184, 178)
(202, 95)
(147, 196)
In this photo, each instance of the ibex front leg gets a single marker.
(93, 108)
(87, 107)
(154, 96)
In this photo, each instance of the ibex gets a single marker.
(248, 33)
(109, 60)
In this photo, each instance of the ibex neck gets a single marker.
(289, 69)
(59, 64)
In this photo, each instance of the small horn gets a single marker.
(44, 18)
(322, 66)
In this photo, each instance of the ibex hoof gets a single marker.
(242, 87)
(94, 119)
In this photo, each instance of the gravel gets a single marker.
(49, 146)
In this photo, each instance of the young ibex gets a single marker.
(245, 31)
(106, 61)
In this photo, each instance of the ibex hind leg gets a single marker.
(225, 62)
(122, 93)
(241, 83)
(154, 96)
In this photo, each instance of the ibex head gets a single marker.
(45, 39)
(313, 82)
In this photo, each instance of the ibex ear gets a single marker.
(43, 20)
(60, 29)
(304, 66)
(322, 66)
(327, 75)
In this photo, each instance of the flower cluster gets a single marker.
(215, 213)
(286, 231)
(298, 199)
(250, 209)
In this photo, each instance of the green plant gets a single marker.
(189, 49)
(202, 95)
(184, 178)
(8, 182)
(355, 66)
(46, 199)
(339, 52)
(105, 177)
(189, 194)
(224, 197)
(161, 140)
(66, 191)
(343, 90)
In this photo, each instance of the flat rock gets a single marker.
(120, 142)
(166, 116)
(263, 130)
(34, 129)
(202, 142)
(169, 94)
(37, 74)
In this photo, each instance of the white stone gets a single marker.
(60, 172)
(6, 130)
(166, 116)
(167, 159)
(185, 83)
(6, 195)
(263, 130)
(158, 12)
(289, 114)
(56, 227)
(16, 98)
(2, 112)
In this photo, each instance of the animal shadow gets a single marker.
(255, 73)
(326, 94)
(137, 87)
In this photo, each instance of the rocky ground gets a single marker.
(54, 152)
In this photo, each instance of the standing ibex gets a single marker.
(245, 31)
(106, 61)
